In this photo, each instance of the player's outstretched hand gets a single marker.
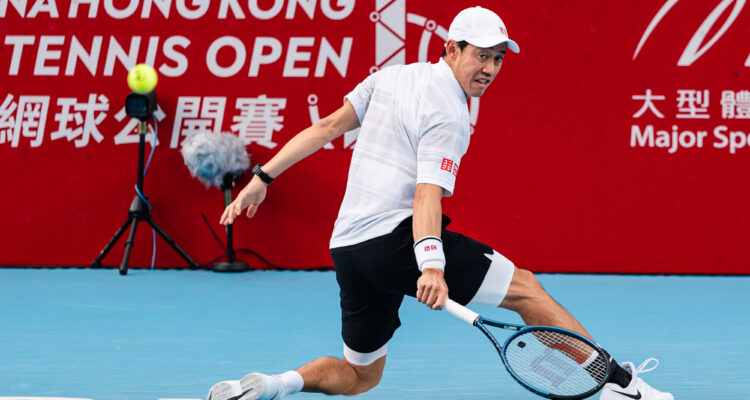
(250, 197)
(432, 289)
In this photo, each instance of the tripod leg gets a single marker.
(128, 247)
(191, 263)
(98, 262)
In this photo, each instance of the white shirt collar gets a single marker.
(446, 73)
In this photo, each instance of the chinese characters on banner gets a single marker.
(690, 104)
(255, 120)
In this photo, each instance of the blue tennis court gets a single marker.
(92, 334)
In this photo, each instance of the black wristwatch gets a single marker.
(262, 175)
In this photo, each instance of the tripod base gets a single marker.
(235, 266)
(138, 212)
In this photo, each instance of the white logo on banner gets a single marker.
(693, 51)
(390, 18)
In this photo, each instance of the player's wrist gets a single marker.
(257, 179)
(429, 253)
(433, 266)
(262, 175)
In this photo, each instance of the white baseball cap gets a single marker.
(480, 27)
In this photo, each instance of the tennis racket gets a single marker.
(551, 362)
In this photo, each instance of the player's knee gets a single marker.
(368, 377)
(363, 385)
(525, 291)
(534, 290)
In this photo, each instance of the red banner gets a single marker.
(618, 140)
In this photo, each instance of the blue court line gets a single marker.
(172, 334)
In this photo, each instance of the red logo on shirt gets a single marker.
(455, 169)
(430, 247)
(447, 165)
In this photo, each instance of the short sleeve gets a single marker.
(360, 96)
(439, 153)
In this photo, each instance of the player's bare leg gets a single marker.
(325, 375)
(336, 376)
(527, 297)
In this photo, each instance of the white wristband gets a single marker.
(429, 252)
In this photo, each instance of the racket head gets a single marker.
(555, 363)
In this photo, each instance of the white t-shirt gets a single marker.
(414, 129)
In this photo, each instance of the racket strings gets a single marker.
(582, 353)
(556, 363)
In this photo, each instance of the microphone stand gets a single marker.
(231, 265)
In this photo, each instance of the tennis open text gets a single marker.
(55, 55)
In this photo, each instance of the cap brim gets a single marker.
(490, 41)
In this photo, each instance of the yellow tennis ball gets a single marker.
(142, 78)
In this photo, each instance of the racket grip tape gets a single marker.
(461, 312)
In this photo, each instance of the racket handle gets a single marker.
(461, 312)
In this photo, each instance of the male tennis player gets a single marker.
(390, 238)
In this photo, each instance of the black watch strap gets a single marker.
(262, 175)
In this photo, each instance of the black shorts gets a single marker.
(375, 275)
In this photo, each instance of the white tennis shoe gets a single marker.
(637, 389)
(253, 386)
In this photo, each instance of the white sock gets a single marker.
(291, 383)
